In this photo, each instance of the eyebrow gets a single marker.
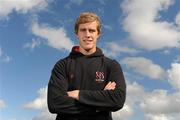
(89, 29)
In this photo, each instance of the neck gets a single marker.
(87, 52)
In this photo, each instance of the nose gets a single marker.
(87, 33)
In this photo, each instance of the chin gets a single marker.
(88, 47)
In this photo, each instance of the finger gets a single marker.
(108, 85)
(111, 86)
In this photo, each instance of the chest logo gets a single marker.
(99, 77)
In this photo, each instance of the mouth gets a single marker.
(88, 41)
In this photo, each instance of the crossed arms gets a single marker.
(75, 93)
(60, 100)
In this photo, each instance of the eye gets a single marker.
(83, 30)
(92, 30)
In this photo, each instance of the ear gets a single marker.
(99, 34)
(77, 36)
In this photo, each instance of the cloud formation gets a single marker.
(174, 75)
(40, 103)
(72, 2)
(145, 67)
(55, 37)
(156, 105)
(112, 49)
(4, 57)
(177, 21)
(135, 93)
(158, 117)
(160, 102)
(123, 114)
(44, 115)
(32, 45)
(21, 6)
(2, 104)
(144, 26)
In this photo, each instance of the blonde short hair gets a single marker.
(86, 17)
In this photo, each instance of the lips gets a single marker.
(88, 41)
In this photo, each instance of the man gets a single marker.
(86, 85)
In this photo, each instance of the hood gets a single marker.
(75, 52)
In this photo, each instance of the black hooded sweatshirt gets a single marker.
(89, 74)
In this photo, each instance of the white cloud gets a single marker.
(157, 117)
(4, 57)
(108, 27)
(1, 52)
(32, 45)
(174, 75)
(2, 104)
(113, 49)
(103, 2)
(135, 94)
(178, 20)
(73, 2)
(56, 37)
(78, 2)
(22, 6)
(166, 52)
(162, 116)
(160, 102)
(123, 114)
(156, 104)
(177, 59)
(44, 115)
(145, 67)
(40, 103)
(143, 24)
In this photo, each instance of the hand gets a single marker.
(74, 94)
(110, 86)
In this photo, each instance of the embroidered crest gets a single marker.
(99, 77)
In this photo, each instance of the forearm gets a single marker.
(107, 99)
(62, 103)
(58, 99)
(75, 93)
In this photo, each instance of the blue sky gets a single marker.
(142, 35)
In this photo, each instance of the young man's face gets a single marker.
(88, 35)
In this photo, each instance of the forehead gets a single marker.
(92, 25)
